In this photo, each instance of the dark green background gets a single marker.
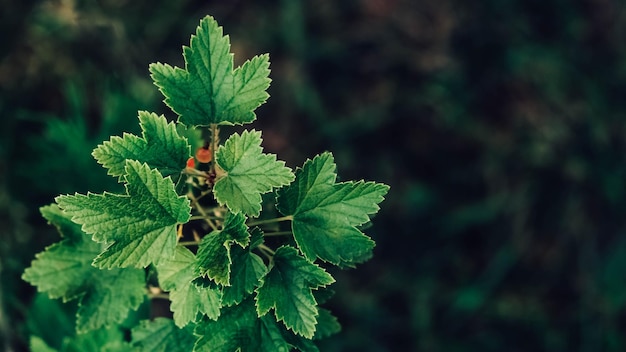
(499, 124)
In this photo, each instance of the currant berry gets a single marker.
(204, 155)
(191, 163)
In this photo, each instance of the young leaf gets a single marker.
(64, 270)
(247, 271)
(208, 91)
(240, 329)
(214, 251)
(288, 289)
(161, 335)
(188, 300)
(161, 147)
(326, 214)
(248, 173)
(139, 227)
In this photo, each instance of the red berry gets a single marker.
(191, 163)
(204, 155)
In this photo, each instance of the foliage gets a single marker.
(499, 126)
(198, 227)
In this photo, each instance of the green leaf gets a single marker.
(214, 252)
(162, 335)
(208, 91)
(101, 340)
(37, 344)
(44, 312)
(139, 227)
(327, 324)
(247, 271)
(240, 329)
(288, 289)
(161, 147)
(188, 299)
(64, 270)
(248, 173)
(64, 225)
(326, 214)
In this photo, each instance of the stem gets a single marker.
(159, 295)
(266, 248)
(194, 172)
(205, 217)
(267, 252)
(278, 233)
(271, 221)
(188, 243)
(202, 194)
(215, 140)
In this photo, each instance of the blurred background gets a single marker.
(499, 124)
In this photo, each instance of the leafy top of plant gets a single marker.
(197, 226)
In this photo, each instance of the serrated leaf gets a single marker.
(139, 227)
(161, 147)
(64, 225)
(287, 288)
(327, 324)
(208, 91)
(64, 271)
(188, 300)
(326, 214)
(109, 298)
(249, 173)
(240, 329)
(247, 271)
(214, 252)
(162, 335)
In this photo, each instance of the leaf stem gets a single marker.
(277, 233)
(205, 217)
(215, 140)
(189, 243)
(267, 252)
(159, 295)
(270, 221)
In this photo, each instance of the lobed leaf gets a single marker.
(214, 252)
(248, 173)
(247, 271)
(188, 300)
(207, 91)
(162, 335)
(287, 288)
(64, 271)
(161, 147)
(327, 324)
(240, 329)
(326, 214)
(139, 227)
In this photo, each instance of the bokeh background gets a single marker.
(499, 124)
